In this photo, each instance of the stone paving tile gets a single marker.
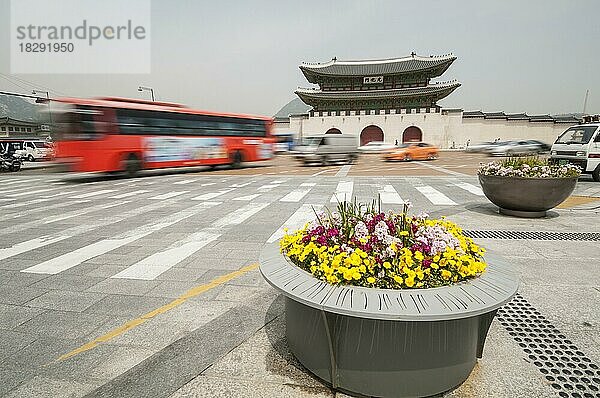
(75, 283)
(266, 358)
(119, 360)
(209, 387)
(126, 305)
(237, 293)
(11, 342)
(181, 274)
(61, 324)
(16, 278)
(41, 352)
(568, 309)
(12, 316)
(170, 326)
(42, 387)
(11, 377)
(64, 300)
(171, 289)
(19, 294)
(123, 286)
(105, 270)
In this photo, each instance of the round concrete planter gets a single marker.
(526, 197)
(388, 343)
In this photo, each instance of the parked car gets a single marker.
(579, 145)
(376, 147)
(515, 148)
(413, 151)
(327, 148)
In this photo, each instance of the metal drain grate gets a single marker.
(533, 235)
(570, 372)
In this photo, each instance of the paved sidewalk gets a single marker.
(560, 280)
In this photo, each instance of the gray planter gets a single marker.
(526, 197)
(388, 343)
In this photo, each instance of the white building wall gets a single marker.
(446, 129)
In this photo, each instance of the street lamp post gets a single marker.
(142, 88)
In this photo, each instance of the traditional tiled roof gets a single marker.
(568, 118)
(541, 118)
(517, 116)
(392, 66)
(440, 90)
(494, 115)
(473, 114)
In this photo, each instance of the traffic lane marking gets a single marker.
(193, 292)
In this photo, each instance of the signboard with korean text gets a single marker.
(372, 79)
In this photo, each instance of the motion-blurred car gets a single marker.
(543, 146)
(481, 147)
(413, 151)
(376, 147)
(515, 148)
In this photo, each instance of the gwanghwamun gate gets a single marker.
(395, 100)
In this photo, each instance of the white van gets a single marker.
(327, 148)
(36, 150)
(580, 145)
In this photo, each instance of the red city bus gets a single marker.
(121, 134)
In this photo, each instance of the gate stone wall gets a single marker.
(445, 129)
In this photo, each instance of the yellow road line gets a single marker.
(573, 201)
(193, 292)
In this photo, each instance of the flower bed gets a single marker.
(359, 245)
(527, 187)
(386, 304)
(530, 167)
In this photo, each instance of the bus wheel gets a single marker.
(596, 174)
(132, 165)
(236, 160)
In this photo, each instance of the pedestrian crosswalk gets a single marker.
(73, 224)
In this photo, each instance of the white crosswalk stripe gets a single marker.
(297, 194)
(184, 182)
(435, 196)
(301, 216)
(168, 195)
(129, 194)
(24, 204)
(389, 195)
(90, 194)
(153, 266)
(78, 256)
(212, 195)
(343, 171)
(247, 198)
(470, 188)
(240, 215)
(70, 232)
(343, 192)
(15, 195)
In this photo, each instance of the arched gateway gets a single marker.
(371, 133)
(333, 130)
(412, 134)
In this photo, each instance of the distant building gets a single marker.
(396, 100)
(21, 128)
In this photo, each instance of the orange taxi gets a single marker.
(412, 151)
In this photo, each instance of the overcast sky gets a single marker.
(243, 56)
